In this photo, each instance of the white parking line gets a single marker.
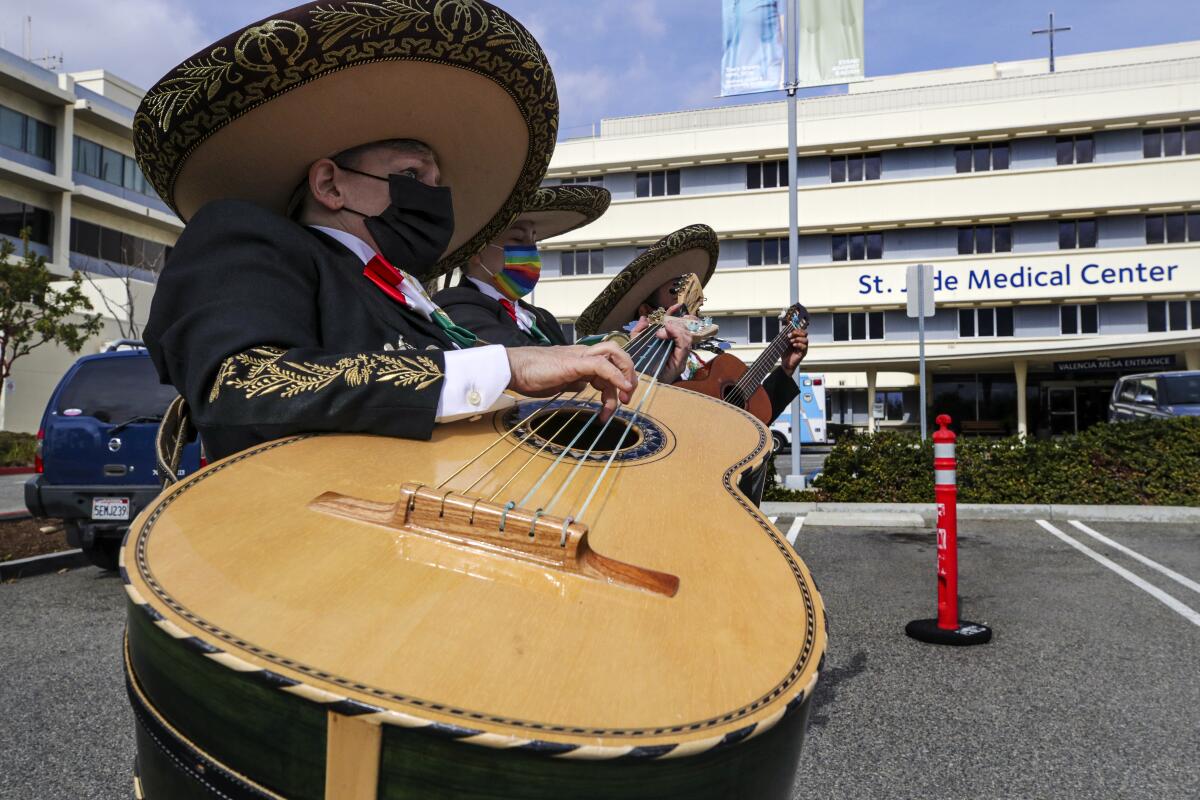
(794, 531)
(1158, 594)
(772, 519)
(1173, 575)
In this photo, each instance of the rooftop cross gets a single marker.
(1051, 30)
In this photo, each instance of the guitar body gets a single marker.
(316, 618)
(718, 379)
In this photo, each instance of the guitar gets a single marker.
(532, 604)
(728, 377)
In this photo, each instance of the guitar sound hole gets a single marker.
(552, 426)
(578, 430)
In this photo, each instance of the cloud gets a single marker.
(645, 16)
(138, 40)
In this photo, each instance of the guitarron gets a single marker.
(533, 604)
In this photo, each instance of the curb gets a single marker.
(13, 516)
(17, 470)
(865, 519)
(39, 565)
(980, 511)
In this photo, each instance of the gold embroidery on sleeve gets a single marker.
(261, 371)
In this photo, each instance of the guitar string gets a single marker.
(620, 443)
(746, 384)
(647, 335)
(546, 474)
(545, 444)
(666, 351)
(502, 437)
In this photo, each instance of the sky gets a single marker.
(621, 57)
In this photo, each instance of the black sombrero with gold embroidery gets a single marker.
(555, 210)
(245, 117)
(692, 249)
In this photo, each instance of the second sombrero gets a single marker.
(692, 249)
(555, 210)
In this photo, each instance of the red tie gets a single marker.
(387, 278)
(510, 308)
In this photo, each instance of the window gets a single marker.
(976, 322)
(106, 244)
(1079, 319)
(1076, 233)
(596, 179)
(110, 166)
(1076, 149)
(15, 217)
(984, 239)
(767, 251)
(1174, 315)
(763, 329)
(568, 329)
(766, 174)
(658, 184)
(581, 262)
(867, 167)
(893, 405)
(853, 326)
(857, 246)
(1172, 228)
(981, 157)
(1166, 142)
(116, 389)
(24, 133)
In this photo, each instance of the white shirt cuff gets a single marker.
(474, 382)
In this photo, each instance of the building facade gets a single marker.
(67, 175)
(1061, 214)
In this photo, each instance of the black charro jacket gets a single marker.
(269, 328)
(487, 319)
(782, 390)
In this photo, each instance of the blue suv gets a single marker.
(96, 466)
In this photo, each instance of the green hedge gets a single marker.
(1156, 462)
(16, 449)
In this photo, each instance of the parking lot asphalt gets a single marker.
(1088, 689)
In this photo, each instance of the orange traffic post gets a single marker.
(947, 628)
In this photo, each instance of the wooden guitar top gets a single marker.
(301, 558)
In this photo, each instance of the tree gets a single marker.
(37, 309)
(122, 312)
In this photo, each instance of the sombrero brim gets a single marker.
(555, 210)
(693, 249)
(246, 117)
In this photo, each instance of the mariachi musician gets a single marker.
(293, 300)
(646, 284)
(489, 300)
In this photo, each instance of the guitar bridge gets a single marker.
(498, 530)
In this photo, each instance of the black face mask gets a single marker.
(416, 227)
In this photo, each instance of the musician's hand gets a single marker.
(545, 371)
(675, 329)
(798, 341)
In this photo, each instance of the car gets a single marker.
(95, 465)
(1155, 395)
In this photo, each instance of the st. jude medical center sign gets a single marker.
(1077, 274)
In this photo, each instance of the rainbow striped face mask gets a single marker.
(522, 268)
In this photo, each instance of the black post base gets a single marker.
(967, 633)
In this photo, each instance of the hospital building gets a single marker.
(1060, 213)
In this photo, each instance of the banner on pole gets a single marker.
(755, 46)
(831, 42)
